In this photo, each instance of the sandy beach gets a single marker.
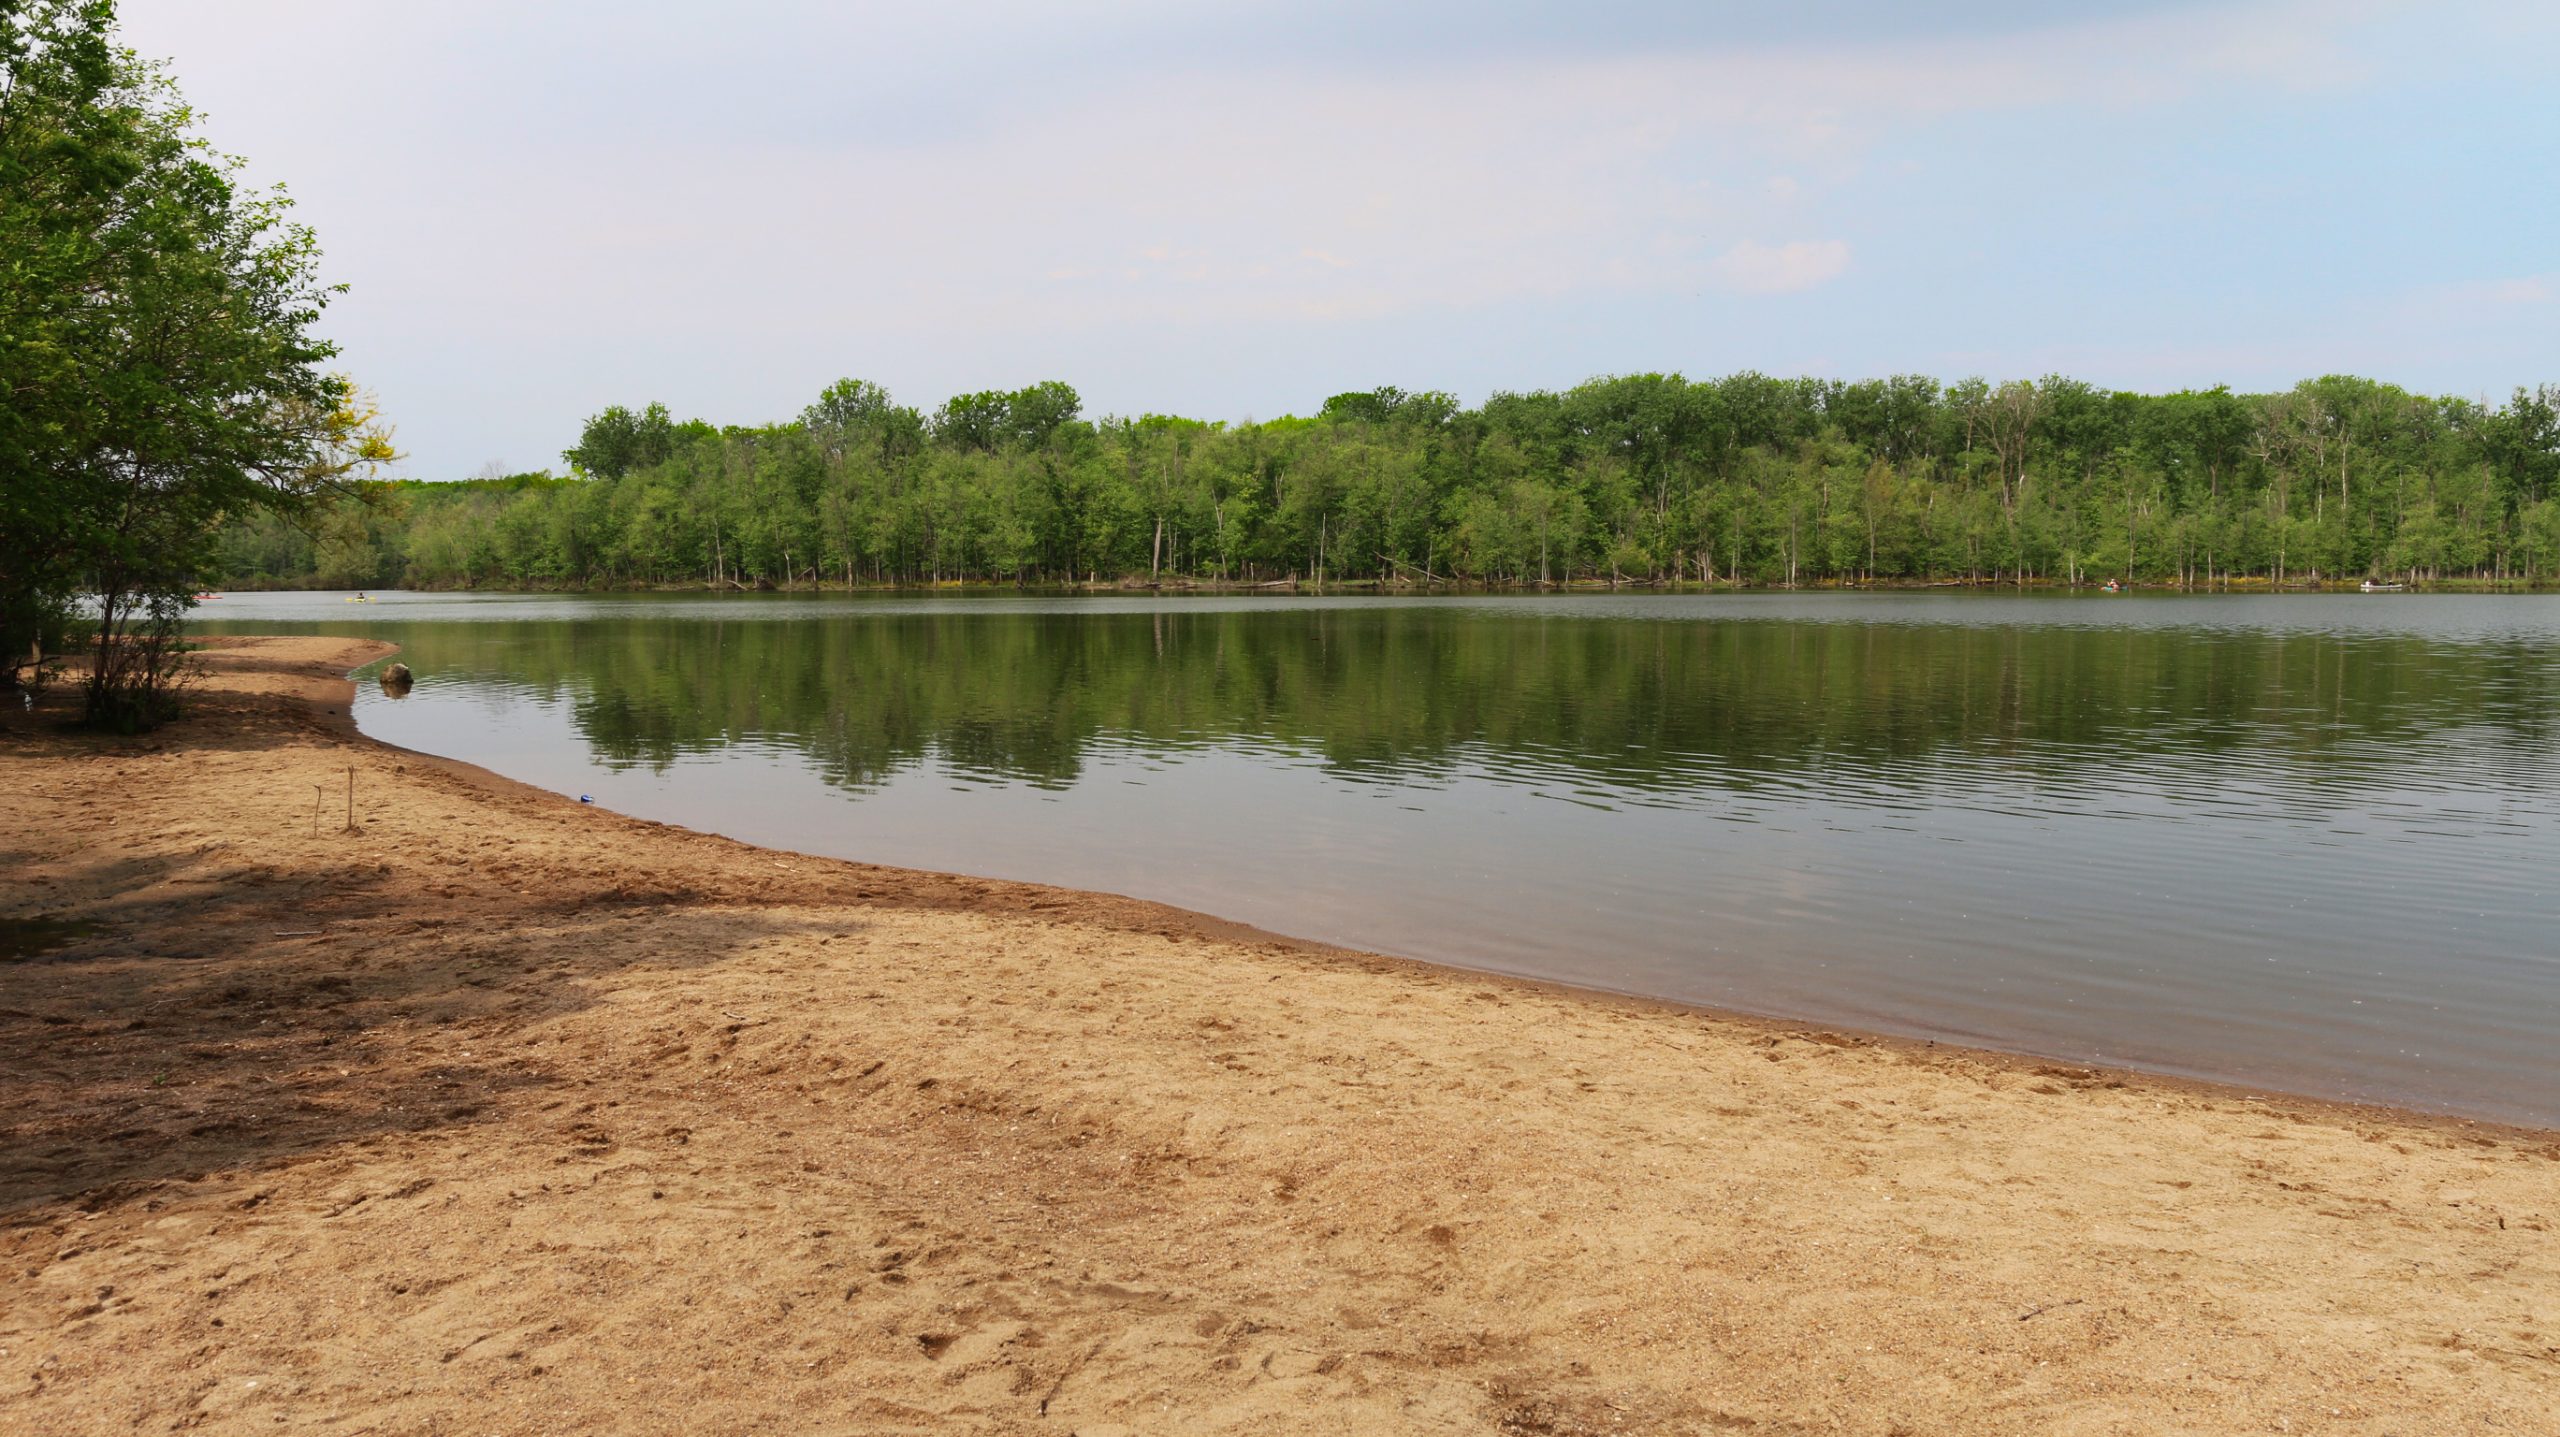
(499, 1114)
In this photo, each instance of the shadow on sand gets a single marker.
(262, 1017)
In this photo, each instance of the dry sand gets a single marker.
(500, 1114)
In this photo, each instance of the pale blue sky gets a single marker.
(1234, 211)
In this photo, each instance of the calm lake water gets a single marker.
(2304, 842)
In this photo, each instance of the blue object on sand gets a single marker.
(582, 798)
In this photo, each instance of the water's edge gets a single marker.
(2019, 1060)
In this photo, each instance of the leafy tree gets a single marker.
(617, 441)
(156, 345)
(1388, 404)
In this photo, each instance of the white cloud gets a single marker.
(1237, 193)
(724, 217)
(2485, 299)
(1751, 267)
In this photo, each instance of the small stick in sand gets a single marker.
(351, 798)
(2043, 1308)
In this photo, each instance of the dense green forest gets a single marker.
(1636, 479)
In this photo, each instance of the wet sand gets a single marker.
(501, 1114)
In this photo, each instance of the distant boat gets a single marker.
(2370, 587)
(2111, 587)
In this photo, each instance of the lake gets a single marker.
(2302, 842)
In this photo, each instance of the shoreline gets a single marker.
(1216, 927)
(487, 1113)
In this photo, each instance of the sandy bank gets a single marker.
(503, 1115)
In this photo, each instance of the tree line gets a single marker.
(1647, 478)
